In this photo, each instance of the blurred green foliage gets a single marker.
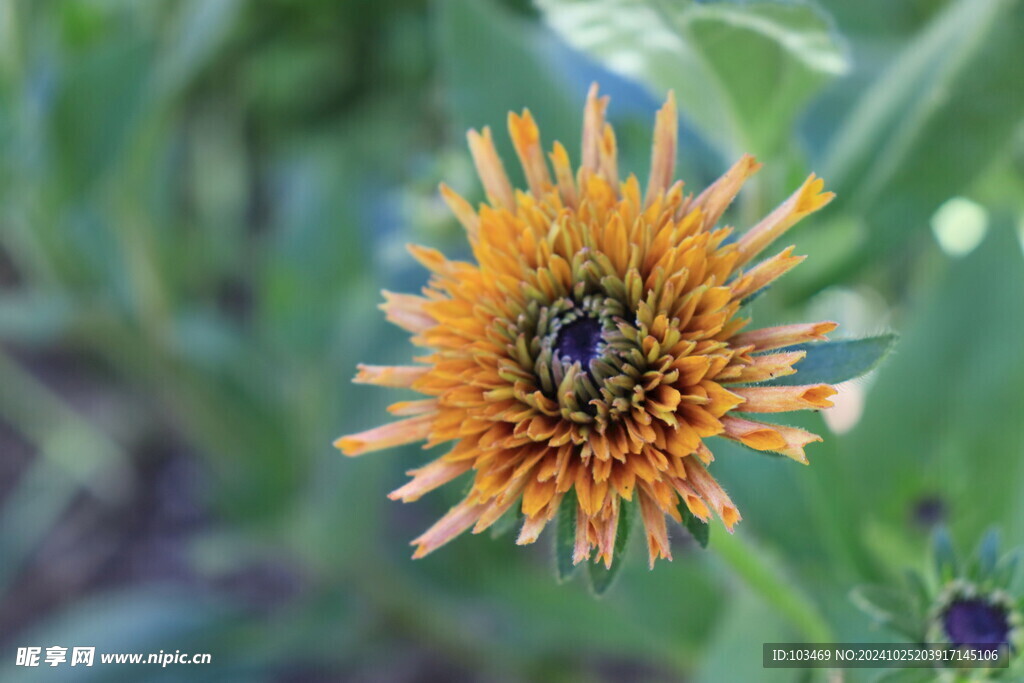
(200, 199)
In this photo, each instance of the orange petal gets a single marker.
(691, 369)
(563, 173)
(768, 338)
(703, 422)
(806, 200)
(531, 529)
(609, 156)
(716, 198)
(708, 489)
(399, 376)
(406, 408)
(663, 150)
(722, 400)
(526, 140)
(386, 436)
(788, 441)
(581, 549)
(428, 478)
(593, 127)
(536, 496)
(654, 525)
(783, 399)
(462, 211)
(765, 273)
(693, 501)
(769, 366)
(457, 520)
(491, 170)
(408, 311)
(757, 435)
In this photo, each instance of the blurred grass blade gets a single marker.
(899, 99)
(715, 56)
(34, 316)
(837, 361)
(930, 124)
(600, 577)
(198, 29)
(890, 606)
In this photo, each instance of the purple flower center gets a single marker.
(579, 341)
(976, 622)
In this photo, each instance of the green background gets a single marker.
(200, 201)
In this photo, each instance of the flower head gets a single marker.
(594, 344)
(963, 603)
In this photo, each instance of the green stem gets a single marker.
(768, 581)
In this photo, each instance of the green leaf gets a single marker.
(946, 565)
(918, 589)
(600, 577)
(837, 361)
(700, 531)
(890, 606)
(565, 537)
(988, 554)
(1006, 572)
(931, 123)
(742, 72)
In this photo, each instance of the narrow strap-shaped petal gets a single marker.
(430, 477)
(398, 376)
(655, 528)
(768, 338)
(537, 495)
(609, 156)
(768, 366)
(491, 170)
(691, 498)
(806, 200)
(463, 211)
(456, 521)
(593, 129)
(393, 434)
(788, 441)
(783, 399)
(663, 150)
(409, 408)
(530, 531)
(714, 200)
(564, 175)
(713, 494)
(526, 139)
(765, 273)
(607, 528)
(581, 549)
(533, 526)
(408, 311)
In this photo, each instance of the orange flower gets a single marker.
(592, 345)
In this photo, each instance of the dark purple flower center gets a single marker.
(976, 622)
(579, 341)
